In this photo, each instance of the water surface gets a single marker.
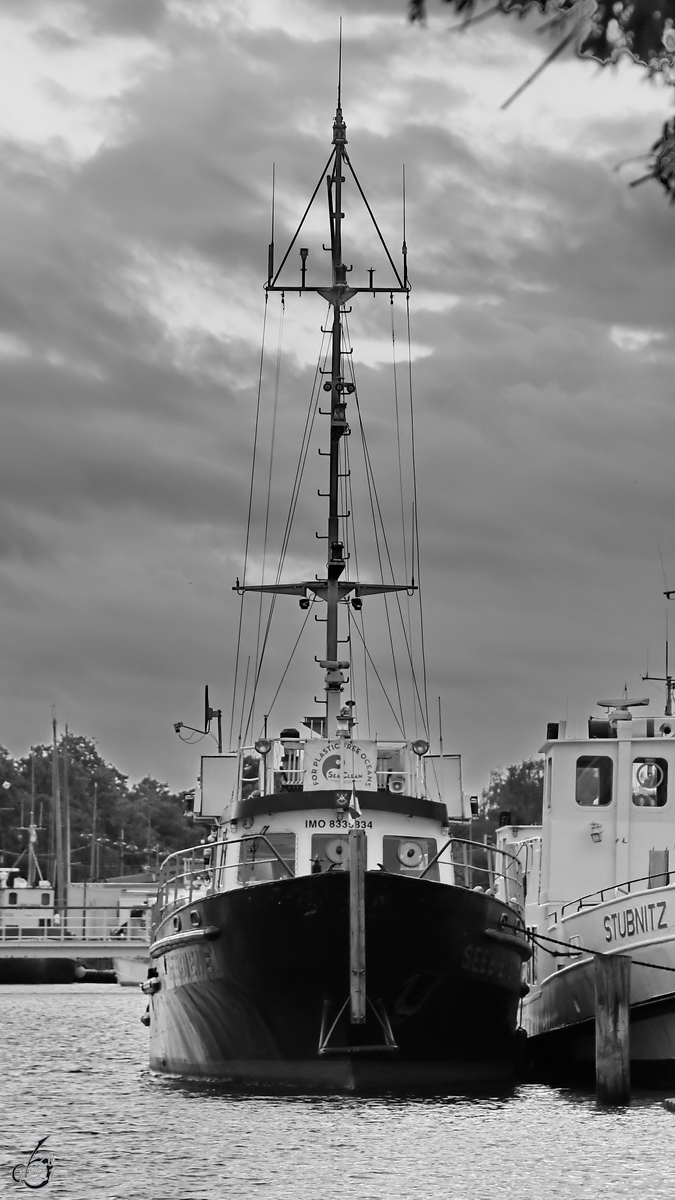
(74, 1067)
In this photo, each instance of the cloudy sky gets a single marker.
(138, 138)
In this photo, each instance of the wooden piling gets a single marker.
(357, 926)
(612, 1028)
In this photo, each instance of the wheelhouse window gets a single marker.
(650, 782)
(390, 769)
(250, 776)
(594, 780)
(13, 898)
(409, 856)
(259, 864)
(329, 853)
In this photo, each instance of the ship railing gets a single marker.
(614, 891)
(74, 923)
(191, 874)
(467, 872)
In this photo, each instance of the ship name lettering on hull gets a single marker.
(643, 918)
(189, 966)
(491, 963)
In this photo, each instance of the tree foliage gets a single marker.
(136, 827)
(641, 28)
(518, 789)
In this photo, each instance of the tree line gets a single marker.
(115, 828)
(119, 829)
(513, 793)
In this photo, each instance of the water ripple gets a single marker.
(74, 1067)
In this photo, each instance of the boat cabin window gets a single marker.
(594, 780)
(549, 780)
(409, 856)
(258, 864)
(390, 769)
(45, 898)
(329, 853)
(288, 766)
(250, 776)
(650, 782)
(12, 898)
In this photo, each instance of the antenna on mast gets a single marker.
(668, 679)
(339, 92)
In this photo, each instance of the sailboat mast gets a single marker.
(61, 889)
(338, 429)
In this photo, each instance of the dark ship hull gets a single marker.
(249, 996)
(37, 970)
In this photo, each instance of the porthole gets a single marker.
(410, 854)
(177, 923)
(195, 918)
(337, 850)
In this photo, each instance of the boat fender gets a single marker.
(145, 1019)
(150, 986)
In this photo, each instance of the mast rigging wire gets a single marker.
(295, 491)
(248, 517)
(349, 507)
(275, 408)
(372, 492)
(290, 659)
(375, 505)
(379, 680)
(416, 528)
(400, 466)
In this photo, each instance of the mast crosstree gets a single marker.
(334, 587)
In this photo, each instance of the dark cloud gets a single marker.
(130, 312)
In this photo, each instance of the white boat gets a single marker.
(597, 880)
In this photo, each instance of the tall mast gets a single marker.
(334, 587)
(338, 429)
(61, 888)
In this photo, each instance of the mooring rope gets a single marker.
(540, 937)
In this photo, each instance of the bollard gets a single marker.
(357, 926)
(612, 1028)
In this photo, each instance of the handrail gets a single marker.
(205, 846)
(184, 880)
(479, 846)
(490, 872)
(167, 879)
(613, 887)
(76, 923)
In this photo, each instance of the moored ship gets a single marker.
(598, 880)
(331, 934)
